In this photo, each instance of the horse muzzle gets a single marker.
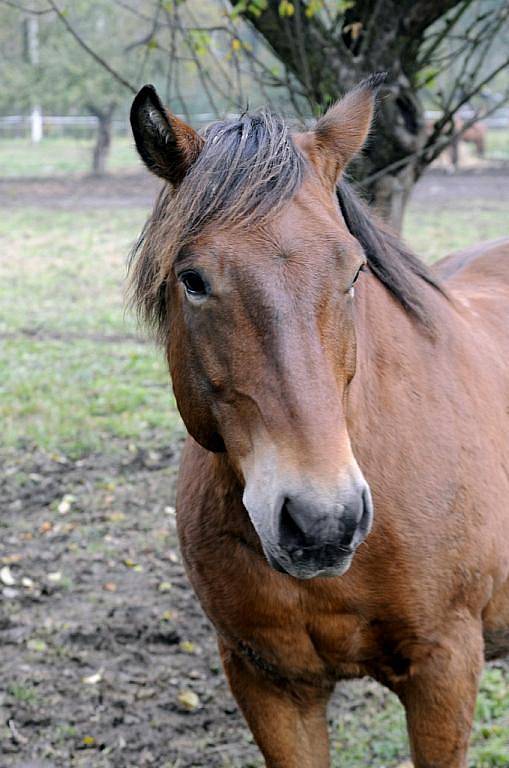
(311, 535)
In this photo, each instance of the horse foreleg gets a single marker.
(287, 720)
(439, 699)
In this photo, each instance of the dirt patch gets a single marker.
(138, 190)
(439, 188)
(120, 190)
(101, 636)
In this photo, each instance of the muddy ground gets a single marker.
(125, 190)
(107, 659)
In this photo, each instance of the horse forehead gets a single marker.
(309, 224)
(301, 224)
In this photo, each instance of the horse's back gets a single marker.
(477, 279)
(483, 261)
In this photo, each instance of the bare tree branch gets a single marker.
(89, 50)
(23, 9)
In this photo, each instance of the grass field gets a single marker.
(76, 377)
(62, 155)
(74, 374)
(59, 156)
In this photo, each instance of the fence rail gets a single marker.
(84, 126)
(74, 125)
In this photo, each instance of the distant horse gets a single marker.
(475, 134)
(343, 501)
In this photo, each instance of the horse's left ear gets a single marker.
(342, 131)
(167, 146)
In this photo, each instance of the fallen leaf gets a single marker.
(55, 577)
(187, 646)
(65, 505)
(46, 527)
(16, 735)
(165, 586)
(27, 582)
(93, 679)
(168, 616)
(14, 558)
(88, 741)
(6, 576)
(189, 700)
(145, 693)
(116, 517)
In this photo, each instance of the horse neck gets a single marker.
(395, 353)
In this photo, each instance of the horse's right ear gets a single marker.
(167, 146)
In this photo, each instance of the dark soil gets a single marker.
(139, 190)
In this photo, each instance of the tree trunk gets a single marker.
(372, 36)
(103, 138)
(391, 163)
(390, 195)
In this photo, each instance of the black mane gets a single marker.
(395, 265)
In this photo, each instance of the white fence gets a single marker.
(78, 126)
(84, 126)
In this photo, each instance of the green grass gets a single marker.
(69, 388)
(374, 733)
(75, 397)
(497, 144)
(433, 232)
(24, 693)
(60, 156)
(65, 269)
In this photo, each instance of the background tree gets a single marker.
(303, 55)
(296, 56)
(441, 51)
(67, 78)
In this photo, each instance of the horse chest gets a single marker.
(284, 630)
(311, 647)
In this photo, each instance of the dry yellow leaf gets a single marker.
(189, 700)
(187, 646)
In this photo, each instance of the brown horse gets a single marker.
(475, 134)
(343, 496)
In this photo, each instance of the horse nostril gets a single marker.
(289, 530)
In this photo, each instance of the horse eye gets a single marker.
(351, 289)
(193, 283)
(362, 268)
